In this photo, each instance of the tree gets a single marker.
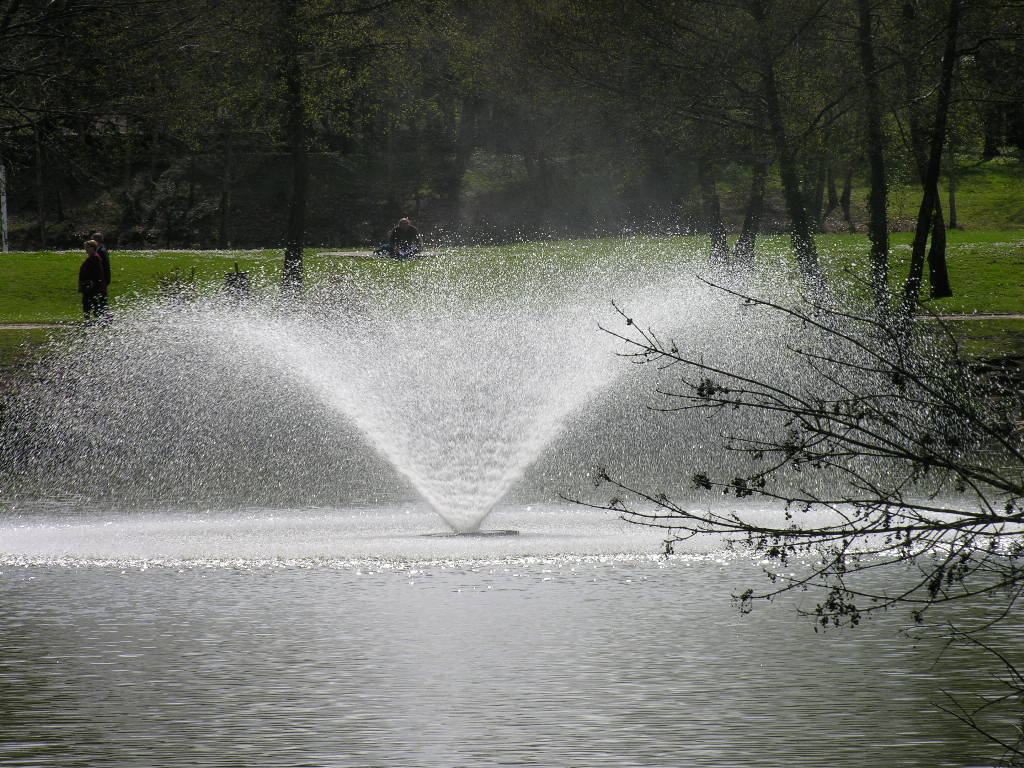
(878, 205)
(724, 83)
(801, 230)
(876, 448)
(283, 121)
(52, 100)
(927, 147)
(323, 55)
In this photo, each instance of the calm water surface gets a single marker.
(545, 651)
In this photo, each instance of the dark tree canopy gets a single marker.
(191, 122)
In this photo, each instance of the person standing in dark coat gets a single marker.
(104, 253)
(92, 281)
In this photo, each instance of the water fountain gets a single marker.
(219, 539)
(449, 378)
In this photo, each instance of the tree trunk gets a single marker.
(130, 209)
(818, 203)
(538, 175)
(190, 201)
(912, 92)
(40, 187)
(804, 247)
(951, 173)
(800, 223)
(154, 155)
(846, 201)
(389, 193)
(743, 252)
(58, 201)
(992, 134)
(930, 198)
(878, 197)
(295, 116)
(462, 127)
(712, 212)
(832, 201)
(168, 226)
(126, 157)
(225, 190)
(938, 275)
(5, 244)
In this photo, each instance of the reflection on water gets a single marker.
(544, 659)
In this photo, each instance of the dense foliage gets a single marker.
(219, 122)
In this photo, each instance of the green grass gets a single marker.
(41, 287)
(987, 269)
(19, 347)
(990, 196)
(987, 276)
(989, 338)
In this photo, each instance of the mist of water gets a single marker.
(459, 380)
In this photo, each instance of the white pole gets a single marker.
(3, 208)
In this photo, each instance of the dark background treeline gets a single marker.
(216, 123)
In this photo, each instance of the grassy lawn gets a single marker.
(41, 286)
(20, 347)
(986, 268)
(989, 338)
(989, 196)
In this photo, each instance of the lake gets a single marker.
(320, 637)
